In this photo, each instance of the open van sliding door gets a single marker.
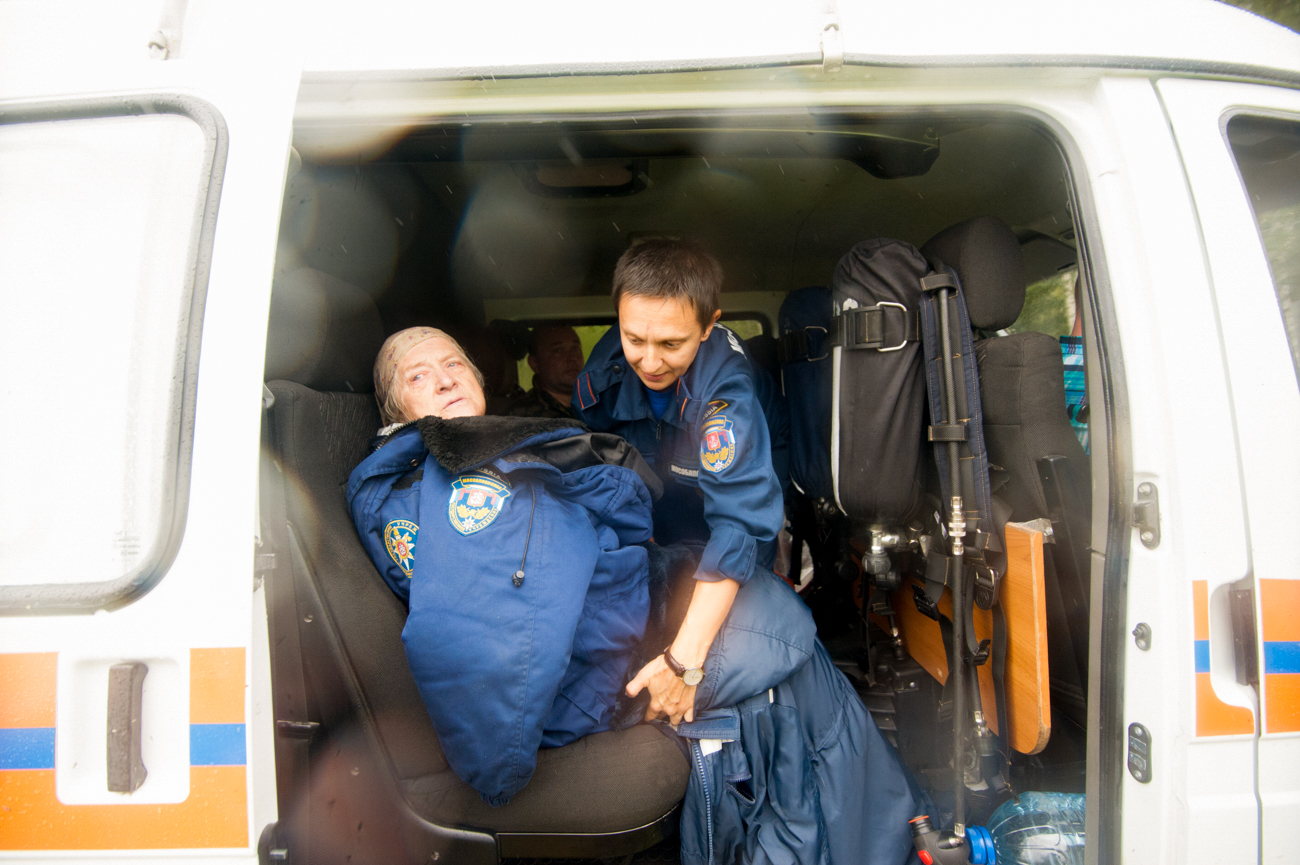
(143, 149)
(1240, 145)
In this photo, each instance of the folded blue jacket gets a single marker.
(516, 542)
(788, 766)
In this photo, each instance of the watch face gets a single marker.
(693, 676)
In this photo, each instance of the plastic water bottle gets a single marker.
(1040, 829)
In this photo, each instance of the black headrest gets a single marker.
(323, 333)
(762, 349)
(990, 265)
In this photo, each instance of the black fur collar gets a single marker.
(465, 442)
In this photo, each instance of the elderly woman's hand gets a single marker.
(669, 695)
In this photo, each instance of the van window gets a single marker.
(1049, 305)
(99, 220)
(1267, 151)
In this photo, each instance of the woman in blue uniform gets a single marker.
(682, 390)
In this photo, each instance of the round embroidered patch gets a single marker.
(476, 499)
(399, 538)
(718, 445)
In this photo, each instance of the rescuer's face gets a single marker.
(661, 336)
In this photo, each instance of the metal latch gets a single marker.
(1139, 753)
(1146, 514)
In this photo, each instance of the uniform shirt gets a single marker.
(1076, 390)
(538, 403)
(712, 449)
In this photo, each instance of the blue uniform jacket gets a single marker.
(515, 540)
(712, 449)
(788, 765)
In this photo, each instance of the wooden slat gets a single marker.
(1024, 604)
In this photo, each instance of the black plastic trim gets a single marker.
(72, 598)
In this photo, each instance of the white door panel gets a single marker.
(188, 613)
(1266, 406)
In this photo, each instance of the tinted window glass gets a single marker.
(1268, 154)
(97, 225)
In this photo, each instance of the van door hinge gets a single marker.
(832, 43)
(1146, 514)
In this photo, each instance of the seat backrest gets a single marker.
(323, 337)
(1022, 384)
(323, 333)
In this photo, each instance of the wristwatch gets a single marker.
(692, 676)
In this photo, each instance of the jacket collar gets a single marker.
(462, 443)
(616, 383)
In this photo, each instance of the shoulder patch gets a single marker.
(476, 499)
(714, 407)
(718, 445)
(399, 538)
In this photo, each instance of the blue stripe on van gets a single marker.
(1202, 656)
(1281, 657)
(27, 748)
(217, 745)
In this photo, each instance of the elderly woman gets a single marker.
(516, 543)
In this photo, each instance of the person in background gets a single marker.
(682, 390)
(1076, 388)
(555, 357)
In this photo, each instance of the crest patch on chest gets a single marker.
(717, 444)
(476, 499)
(399, 539)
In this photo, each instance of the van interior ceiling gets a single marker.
(454, 224)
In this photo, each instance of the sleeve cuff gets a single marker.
(730, 554)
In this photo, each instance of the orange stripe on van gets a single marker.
(1215, 717)
(217, 686)
(1279, 601)
(214, 815)
(1282, 703)
(27, 688)
(1200, 610)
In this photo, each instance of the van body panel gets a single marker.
(445, 40)
(206, 727)
(1265, 401)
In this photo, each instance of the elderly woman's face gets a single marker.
(434, 379)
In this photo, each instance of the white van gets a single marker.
(195, 663)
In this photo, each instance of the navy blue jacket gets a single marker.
(788, 765)
(516, 541)
(712, 449)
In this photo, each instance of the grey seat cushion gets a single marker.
(607, 782)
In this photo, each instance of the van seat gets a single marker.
(1022, 393)
(603, 783)
(613, 782)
